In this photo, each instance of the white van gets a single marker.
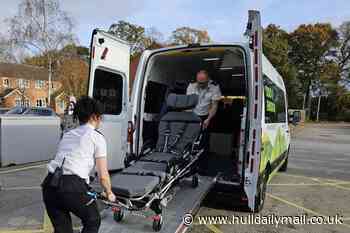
(249, 134)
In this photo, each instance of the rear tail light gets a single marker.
(93, 52)
(130, 138)
(104, 53)
(130, 131)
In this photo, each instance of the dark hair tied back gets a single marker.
(85, 108)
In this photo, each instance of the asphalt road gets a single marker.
(317, 183)
(321, 150)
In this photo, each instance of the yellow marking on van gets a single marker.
(213, 228)
(300, 207)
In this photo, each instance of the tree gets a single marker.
(73, 74)
(152, 38)
(310, 45)
(276, 48)
(139, 38)
(3, 49)
(6, 50)
(69, 51)
(342, 56)
(73, 77)
(187, 35)
(41, 27)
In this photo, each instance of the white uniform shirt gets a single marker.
(205, 97)
(80, 147)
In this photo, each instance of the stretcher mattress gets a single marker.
(133, 185)
(160, 157)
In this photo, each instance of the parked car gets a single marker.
(4, 110)
(37, 111)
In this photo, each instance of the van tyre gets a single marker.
(284, 166)
(195, 181)
(260, 198)
(118, 215)
(157, 223)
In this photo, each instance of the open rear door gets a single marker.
(109, 83)
(254, 34)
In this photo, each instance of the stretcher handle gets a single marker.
(98, 195)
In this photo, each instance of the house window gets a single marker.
(26, 83)
(18, 102)
(23, 83)
(41, 102)
(39, 84)
(62, 104)
(26, 103)
(6, 82)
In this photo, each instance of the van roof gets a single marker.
(192, 46)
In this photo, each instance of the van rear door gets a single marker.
(109, 83)
(251, 172)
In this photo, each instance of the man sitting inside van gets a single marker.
(209, 95)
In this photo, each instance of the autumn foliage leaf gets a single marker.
(73, 74)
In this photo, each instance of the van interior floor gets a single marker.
(222, 166)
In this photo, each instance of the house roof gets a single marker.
(23, 71)
(58, 93)
(6, 92)
(9, 91)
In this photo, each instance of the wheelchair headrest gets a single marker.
(182, 102)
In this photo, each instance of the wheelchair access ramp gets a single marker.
(185, 200)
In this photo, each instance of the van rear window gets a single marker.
(108, 89)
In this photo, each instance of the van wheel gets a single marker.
(260, 198)
(284, 166)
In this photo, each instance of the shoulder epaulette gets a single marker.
(99, 132)
(215, 83)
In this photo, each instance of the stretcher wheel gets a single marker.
(118, 214)
(195, 181)
(157, 223)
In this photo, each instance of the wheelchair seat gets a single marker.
(178, 131)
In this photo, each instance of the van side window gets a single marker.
(275, 104)
(108, 89)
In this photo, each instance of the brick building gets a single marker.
(26, 85)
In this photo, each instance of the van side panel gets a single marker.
(275, 135)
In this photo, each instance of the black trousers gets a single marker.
(70, 197)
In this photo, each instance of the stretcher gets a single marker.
(185, 202)
(145, 185)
